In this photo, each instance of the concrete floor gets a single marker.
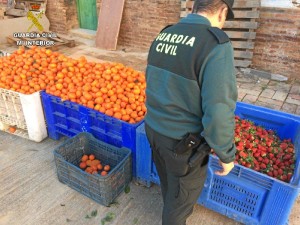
(30, 193)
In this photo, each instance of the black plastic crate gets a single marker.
(102, 189)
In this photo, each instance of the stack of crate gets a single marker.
(241, 30)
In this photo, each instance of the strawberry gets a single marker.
(263, 154)
(266, 160)
(263, 166)
(256, 168)
(243, 154)
(269, 143)
(289, 176)
(284, 177)
(263, 151)
(283, 146)
(248, 165)
(287, 156)
(256, 155)
(270, 173)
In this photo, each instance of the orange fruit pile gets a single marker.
(110, 88)
(26, 71)
(92, 165)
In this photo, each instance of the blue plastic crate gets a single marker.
(102, 189)
(66, 118)
(244, 195)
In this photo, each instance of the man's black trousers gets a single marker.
(180, 189)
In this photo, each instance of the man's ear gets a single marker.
(223, 14)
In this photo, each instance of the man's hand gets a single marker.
(227, 167)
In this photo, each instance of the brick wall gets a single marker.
(71, 15)
(56, 12)
(277, 44)
(142, 20)
(63, 16)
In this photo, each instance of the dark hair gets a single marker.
(208, 6)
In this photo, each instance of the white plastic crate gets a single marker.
(3, 53)
(23, 111)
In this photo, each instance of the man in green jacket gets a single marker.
(191, 89)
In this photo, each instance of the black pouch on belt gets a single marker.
(188, 143)
(199, 155)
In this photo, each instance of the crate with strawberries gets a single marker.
(266, 175)
(262, 150)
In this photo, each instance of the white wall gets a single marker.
(279, 3)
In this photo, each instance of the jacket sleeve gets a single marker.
(218, 97)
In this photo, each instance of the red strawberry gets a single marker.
(289, 176)
(263, 166)
(247, 146)
(266, 160)
(256, 155)
(284, 177)
(269, 143)
(263, 154)
(256, 168)
(277, 162)
(240, 143)
(243, 154)
(270, 173)
(240, 148)
(283, 146)
(248, 165)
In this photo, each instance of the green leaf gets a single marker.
(127, 189)
(87, 217)
(135, 220)
(108, 218)
(94, 213)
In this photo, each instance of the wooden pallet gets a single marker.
(241, 30)
(58, 41)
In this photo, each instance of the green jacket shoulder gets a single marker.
(219, 34)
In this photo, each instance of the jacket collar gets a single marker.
(195, 19)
